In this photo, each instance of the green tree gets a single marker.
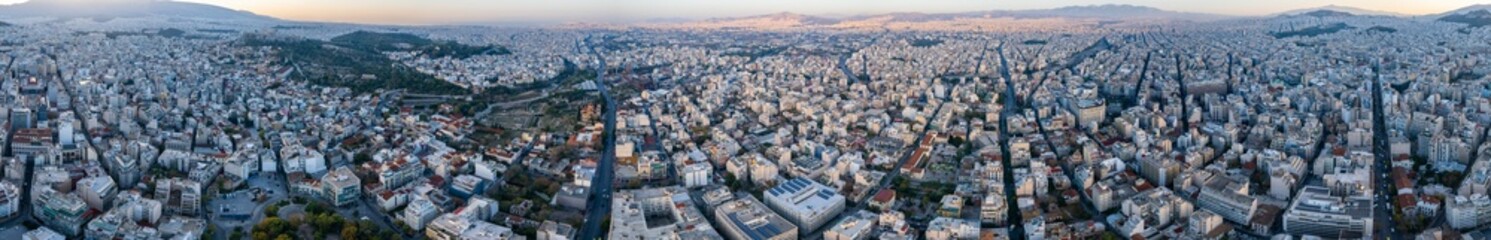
(349, 232)
(272, 210)
(366, 229)
(361, 157)
(315, 208)
(327, 221)
(403, 228)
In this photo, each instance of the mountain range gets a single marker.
(175, 9)
(1103, 12)
(1337, 11)
(124, 9)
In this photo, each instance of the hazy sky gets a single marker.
(449, 11)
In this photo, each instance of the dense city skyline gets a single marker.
(516, 11)
(744, 120)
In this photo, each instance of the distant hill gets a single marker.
(1112, 11)
(1459, 11)
(124, 9)
(1102, 12)
(1326, 13)
(1476, 18)
(1105, 12)
(779, 19)
(1336, 11)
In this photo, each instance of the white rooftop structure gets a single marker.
(806, 203)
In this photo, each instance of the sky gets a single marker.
(478, 11)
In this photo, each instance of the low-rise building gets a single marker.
(341, 187)
(805, 203)
(1317, 212)
(748, 219)
(857, 226)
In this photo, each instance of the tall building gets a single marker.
(451, 227)
(341, 186)
(1151, 211)
(1317, 212)
(1448, 149)
(180, 196)
(993, 210)
(1205, 225)
(125, 169)
(64, 212)
(746, 218)
(98, 191)
(124, 221)
(10, 199)
(551, 230)
(1159, 169)
(943, 228)
(696, 174)
(42, 233)
(805, 203)
(419, 212)
(857, 226)
(21, 118)
(1468, 211)
(658, 213)
(1227, 198)
(34, 144)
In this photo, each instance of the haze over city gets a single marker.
(745, 120)
(510, 11)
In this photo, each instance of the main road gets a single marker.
(599, 205)
(1017, 226)
(1385, 223)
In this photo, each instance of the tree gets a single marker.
(403, 228)
(272, 226)
(284, 236)
(366, 228)
(272, 210)
(349, 232)
(315, 208)
(326, 221)
(362, 157)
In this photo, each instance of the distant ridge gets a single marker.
(1337, 11)
(1463, 10)
(1102, 12)
(1474, 18)
(776, 18)
(1115, 12)
(1109, 11)
(124, 9)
